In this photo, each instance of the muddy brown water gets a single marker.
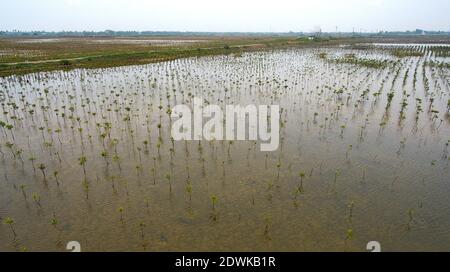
(370, 171)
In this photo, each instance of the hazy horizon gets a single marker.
(230, 16)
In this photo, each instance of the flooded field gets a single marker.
(87, 155)
(160, 42)
(20, 53)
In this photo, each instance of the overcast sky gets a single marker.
(225, 15)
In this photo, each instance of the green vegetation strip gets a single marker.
(401, 53)
(370, 63)
(438, 64)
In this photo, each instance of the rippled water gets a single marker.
(370, 172)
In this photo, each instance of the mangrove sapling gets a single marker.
(350, 147)
(10, 146)
(349, 235)
(336, 174)
(116, 159)
(203, 167)
(158, 146)
(125, 183)
(159, 129)
(58, 132)
(42, 168)
(19, 154)
(278, 170)
(390, 96)
(141, 227)
(103, 137)
(170, 183)
(138, 169)
(410, 219)
(268, 222)
(42, 132)
(1, 151)
(229, 146)
(2, 126)
(342, 131)
(9, 221)
(172, 140)
(86, 187)
(302, 176)
(172, 153)
(82, 161)
(104, 155)
(113, 184)
(139, 152)
(145, 142)
(223, 168)
(10, 128)
(55, 174)
(22, 188)
(189, 190)
(297, 191)
(147, 205)
(59, 158)
(121, 214)
(350, 211)
(54, 222)
(37, 199)
(214, 200)
(154, 175)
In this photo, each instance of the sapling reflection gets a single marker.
(10, 222)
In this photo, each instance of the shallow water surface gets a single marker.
(352, 167)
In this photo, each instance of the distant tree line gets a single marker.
(111, 33)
